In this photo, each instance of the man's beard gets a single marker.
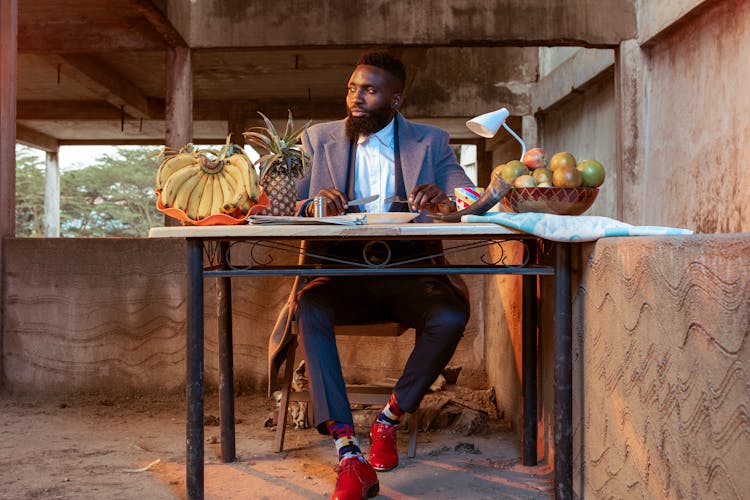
(367, 124)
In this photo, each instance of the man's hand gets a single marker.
(431, 198)
(335, 202)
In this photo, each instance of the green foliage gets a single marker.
(113, 197)
(29, 193)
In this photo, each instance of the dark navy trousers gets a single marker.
(428, 304)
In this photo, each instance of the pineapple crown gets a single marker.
(282, 153)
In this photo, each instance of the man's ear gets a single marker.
(396, 103)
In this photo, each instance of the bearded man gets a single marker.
(375, 150)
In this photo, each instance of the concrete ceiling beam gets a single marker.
(601, 23)
(35, 139)
(572, 76)
(156, 17)
(93, 73)
(69, 36)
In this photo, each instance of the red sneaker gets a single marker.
(383, 452)
(356, 481)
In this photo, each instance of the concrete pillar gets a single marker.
(179, 102)
(530, 131)
(179, 97)
(630, 105)
(8, 84)
(52, 196)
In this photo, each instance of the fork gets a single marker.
(396, 199)
(399, 199)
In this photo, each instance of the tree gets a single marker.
(114, 197)
(29, 193)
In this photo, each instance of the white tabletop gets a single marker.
(269, 231)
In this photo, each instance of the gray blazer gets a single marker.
(426, 157)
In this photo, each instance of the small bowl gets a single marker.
(550, 200)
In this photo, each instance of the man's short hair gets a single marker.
(385, 60)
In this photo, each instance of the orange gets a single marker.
(562, 159)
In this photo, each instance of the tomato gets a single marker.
(592, 173)
(513, 169)
(566, 176)
(562, 159)
(535, 158)
(542, 174)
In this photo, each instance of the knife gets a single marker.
(362, 201)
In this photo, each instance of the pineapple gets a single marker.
(282, 161)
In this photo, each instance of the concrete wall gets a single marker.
(698, 123)
(109, 315)
(661, 365)
(674, 139)
(584, 124)
(662, 368)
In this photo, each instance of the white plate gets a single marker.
(390, 217)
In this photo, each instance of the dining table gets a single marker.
(209, 254)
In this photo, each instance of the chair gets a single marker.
(359, 394)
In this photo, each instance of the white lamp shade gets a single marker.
(487, 125)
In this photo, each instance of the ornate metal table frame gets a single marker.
(209, 256)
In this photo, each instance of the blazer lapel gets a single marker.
(413, 151)
(337, 155)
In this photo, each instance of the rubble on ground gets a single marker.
(447, 406)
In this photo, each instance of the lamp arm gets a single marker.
(523, 144)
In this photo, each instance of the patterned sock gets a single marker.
(345, 440)
(392, 413)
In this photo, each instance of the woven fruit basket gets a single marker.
(550, 200)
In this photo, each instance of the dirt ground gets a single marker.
(134, 448)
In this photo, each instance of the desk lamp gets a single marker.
(487, 125)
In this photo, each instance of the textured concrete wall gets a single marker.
(662, 368)
(109, 315)
(92, 314)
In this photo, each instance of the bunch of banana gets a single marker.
(203, 183)
(174, 161)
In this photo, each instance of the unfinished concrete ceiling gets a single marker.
(93, 72)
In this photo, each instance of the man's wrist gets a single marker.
(305, 209)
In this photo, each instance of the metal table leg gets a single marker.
(528, 363)
(194, 470)
(563, 373)
(226, 368)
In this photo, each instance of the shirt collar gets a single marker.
(384, 135)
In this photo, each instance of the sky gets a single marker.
(74, 157)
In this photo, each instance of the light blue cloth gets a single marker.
(571, 227)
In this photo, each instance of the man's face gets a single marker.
(372, 97)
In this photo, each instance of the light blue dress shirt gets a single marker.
(375, 168)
